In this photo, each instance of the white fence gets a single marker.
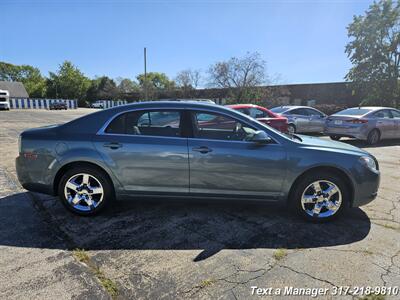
(27, 103)
(111, 103)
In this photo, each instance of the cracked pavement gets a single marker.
(169, 249)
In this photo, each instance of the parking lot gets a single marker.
(166, 249)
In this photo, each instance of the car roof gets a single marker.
(169, 102)
(248, 105)
(90, 122)
(297, 106)
(372, 107)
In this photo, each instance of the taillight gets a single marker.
(357, 121)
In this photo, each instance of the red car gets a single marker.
(263, 115)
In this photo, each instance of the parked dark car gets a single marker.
(371, 124)
(263, 115)
(188, 149)
(58, 106)
(302, 119)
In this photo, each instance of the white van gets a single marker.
(4, 100)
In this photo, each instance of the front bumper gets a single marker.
(4, 106)
(366, 187)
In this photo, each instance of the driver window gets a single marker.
(219, 127)
(256, 113)
(383, 114)
(312, 112)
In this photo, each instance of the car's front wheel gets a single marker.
(373, 137)
(334, 137)
(85, 190)
(320, 197)
(291, 129)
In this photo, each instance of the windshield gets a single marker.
(279, 109)
(353, 112)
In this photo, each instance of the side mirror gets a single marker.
(261, 137)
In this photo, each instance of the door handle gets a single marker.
(202, 149)
(113, 145)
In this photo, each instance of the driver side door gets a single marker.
(223, 162)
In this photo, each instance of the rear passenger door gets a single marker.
(147, 151)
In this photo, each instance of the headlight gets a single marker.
(369, 162)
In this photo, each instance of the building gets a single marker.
(15, 89)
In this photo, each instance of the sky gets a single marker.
(301, 41)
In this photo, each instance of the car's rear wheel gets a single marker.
(291, 129)
(373, 137)
(320, 197)
(85, 190)
(334, 137)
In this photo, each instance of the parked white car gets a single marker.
(4, 100)
(97, 104)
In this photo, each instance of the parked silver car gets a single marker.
(302, 119)
(364, 123)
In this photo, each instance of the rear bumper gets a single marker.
(34, 177)
(353, 132)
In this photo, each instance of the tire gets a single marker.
(339, 200)
(373, 137)
(89, 199)
(291, 129)
(334, 137)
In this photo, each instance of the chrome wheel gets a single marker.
(374, 137)
(83, 192)
(321, 199)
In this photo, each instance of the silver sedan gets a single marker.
(371, 124)
(302, 119)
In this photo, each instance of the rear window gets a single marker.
(353, 112)
(152, 123)
(279, 110)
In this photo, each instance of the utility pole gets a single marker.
(145, 74)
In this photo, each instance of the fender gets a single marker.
(89, 155)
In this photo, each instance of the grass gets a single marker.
(206, 283)
(279, 254)
(81, 255)
(389, 226)
(109, 285)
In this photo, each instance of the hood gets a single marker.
(316, 142)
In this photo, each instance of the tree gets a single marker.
(68, 83)
(240, 75)
(30, 76)
(374, 52)
(187, 81)
(102, 88)
(127, 86)
(157, 84)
